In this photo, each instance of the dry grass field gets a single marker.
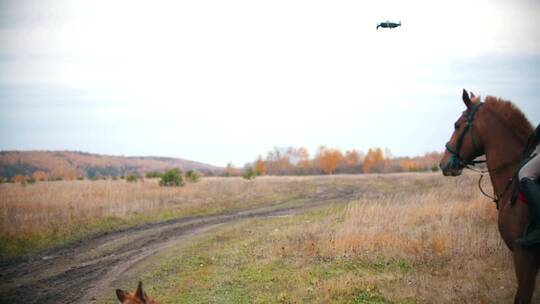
(37, 216)
(394, 238)
(409, 238)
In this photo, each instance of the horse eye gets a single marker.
(456, 126)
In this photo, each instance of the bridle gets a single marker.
(456, 161)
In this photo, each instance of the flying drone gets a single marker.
(388, 24)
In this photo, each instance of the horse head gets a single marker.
(138, 297)
(464, 144)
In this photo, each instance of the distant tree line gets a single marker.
(297, 161)
(278, 161)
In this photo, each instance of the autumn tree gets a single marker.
(62, 172)
(19, 178)
(278, 161)
(40, 175)
(373, 161)
(328, 159)
(260, 167)
(352, 158)
(407, 164)
(428, 161)
(70, 174)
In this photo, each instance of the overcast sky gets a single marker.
(219, 81)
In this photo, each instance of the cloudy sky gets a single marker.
(219, 81)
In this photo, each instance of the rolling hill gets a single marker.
(71, 164)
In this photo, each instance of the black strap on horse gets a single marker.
(457, 160)
(456, 157)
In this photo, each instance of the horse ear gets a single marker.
(467, 99)
(121, 295)
(139, 293)
(475, 99)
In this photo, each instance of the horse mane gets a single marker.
(511, 116)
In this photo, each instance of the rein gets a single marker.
(495, 197)
(529, 148)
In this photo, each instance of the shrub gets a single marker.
(131, 178)
(19, 178)
(193, 176)
(249, 173)
(39, 175)
(172, 177)
(154, 174)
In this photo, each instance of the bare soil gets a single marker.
(81, 271)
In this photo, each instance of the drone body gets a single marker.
(388, 24)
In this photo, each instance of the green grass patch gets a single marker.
(369, 297)
(239, 264)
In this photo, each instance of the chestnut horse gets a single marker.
(497, 129)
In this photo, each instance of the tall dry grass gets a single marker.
(451, 241)
(442, 232)
(404, 238)
(54, 207)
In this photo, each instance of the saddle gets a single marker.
(533, 187)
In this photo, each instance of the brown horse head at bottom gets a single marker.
(138, 297)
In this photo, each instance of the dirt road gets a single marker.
(79, 272)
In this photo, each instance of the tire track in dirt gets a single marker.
(79, 272)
